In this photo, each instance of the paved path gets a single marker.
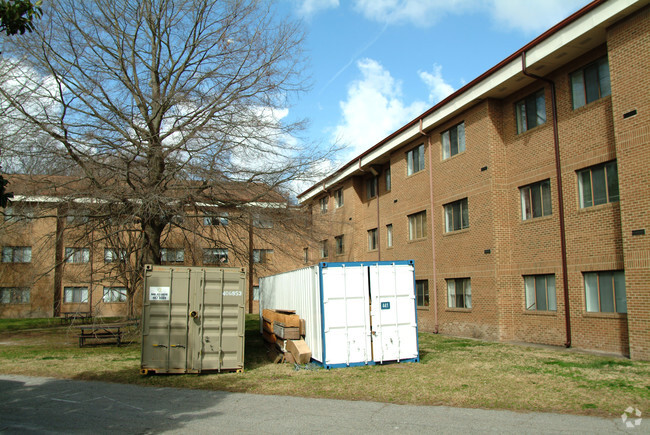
(46, 405)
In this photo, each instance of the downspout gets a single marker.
(433, 242)
(378, 229)
(558, 174)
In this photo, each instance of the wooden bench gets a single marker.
(108, 332)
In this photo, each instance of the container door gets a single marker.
(394, 322)
(218, 328)
(165, 321)
(346, 317)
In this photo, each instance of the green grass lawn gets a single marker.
(452, 372)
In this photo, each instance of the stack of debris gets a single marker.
(284, 332)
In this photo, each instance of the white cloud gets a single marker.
(374, 108)
(438, 88)
(523, 15)
(309, 8)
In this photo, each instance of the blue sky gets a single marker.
(377, 64)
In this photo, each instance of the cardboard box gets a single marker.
(300, 351)
(287, 317)
(285, 332)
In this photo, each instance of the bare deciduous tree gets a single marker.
(157, 106)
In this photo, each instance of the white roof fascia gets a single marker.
(544, 48)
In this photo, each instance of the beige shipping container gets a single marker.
(193, 319)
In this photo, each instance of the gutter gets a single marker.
(560, 197)
(433, 241)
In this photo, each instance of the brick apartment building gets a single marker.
(524, 197)
(57, 258)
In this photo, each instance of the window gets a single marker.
(77, 255)
(338, 197)
(387, 179)
(216, 255)
(75, 295)
(459, 293)
(77, 217)
(114, 294)
(256, 292)
(16, 254)
(324, 249)
(417, 225)
(389, 235)
(598, 184)
(372, 239)
(422, 292)
(371, 187)
(605, 292)
(415, 160)
(14, 295)
(531, 111)
(456, 216)
(111, 255)
(216, 220)
(171, 255)
(263, 222)
(338, 240)
(540, 292)
(305, 255)
(323, 204)
(262, 255)
(590, 83)
(18, 214)
(453, 141)
(536, 200)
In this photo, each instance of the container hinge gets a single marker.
(177, 345)
(159, 345)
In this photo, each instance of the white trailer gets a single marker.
(356, 313)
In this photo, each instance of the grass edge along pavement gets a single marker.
(453, 372)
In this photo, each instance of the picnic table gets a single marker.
(70, 316)
(108, 331)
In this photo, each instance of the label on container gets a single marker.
(232, 293)
(385, 305)
(159, 293)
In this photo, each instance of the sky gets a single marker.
(375, 65)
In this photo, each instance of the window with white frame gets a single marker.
(598, 184)
(456, 215)
(172, 255)
(415, 160)
(389, 235)
(338, 197)
(262, 255)
(16, 254)
(531, 111)
(77, 217)
(77, 255)
(324, 249)
(256, 292)
(605, 292)
(453, 141)
(216, 255)
(590, 83)
(220, 219)
(371, 187)
(372, 239)
(540, 292)
(261, 221)
(75, 295)
(417, 225)
(18, 213)
(459, 293)
(323, 204)
(536, 200)
(338, 242)
(114, 294)
(387, 179)
(14, 295)
(422, 292)
(111, 255)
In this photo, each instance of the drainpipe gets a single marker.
(433, 242)
(558, 174)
